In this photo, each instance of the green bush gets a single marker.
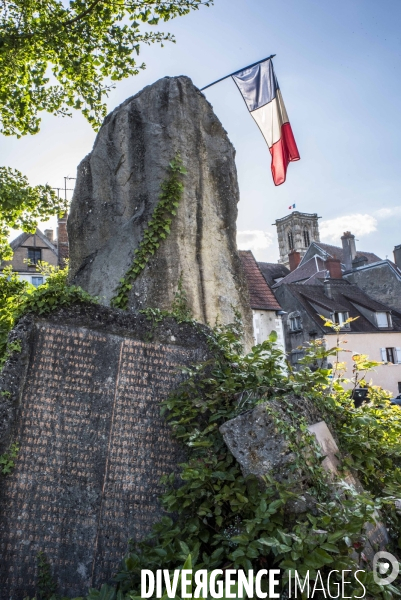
(18, 298)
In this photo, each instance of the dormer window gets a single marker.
(295, 321)
(340, 318)
(383, 319)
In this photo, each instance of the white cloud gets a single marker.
(254, 240)
(358, 224)
(386, 213)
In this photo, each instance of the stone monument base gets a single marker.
(85, 411)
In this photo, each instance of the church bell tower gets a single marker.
(296, 232)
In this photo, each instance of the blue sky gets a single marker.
(338, 65)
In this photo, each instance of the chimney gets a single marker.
(49, 234)
(349, 249)
(397, 255)
(359, 261)
(62, 241)
(333, 265)
(327, 288)
(295, 258)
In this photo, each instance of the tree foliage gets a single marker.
(22, 206)
(20, 297)
(55, 56)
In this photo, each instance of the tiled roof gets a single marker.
(272, 271)
(19, 240)
(345, 296)
(319, 275)
(314, 267)
(260, 294)
(381, 263)
(337, 252)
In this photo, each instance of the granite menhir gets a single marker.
(118, 187)
(83, 402)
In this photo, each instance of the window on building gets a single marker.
(306, 238)
(290, 240)
(391, 355)
(34, 255)
(295, 323)
(383, 319)
(340, 318)
(36, 281)
(399, 387)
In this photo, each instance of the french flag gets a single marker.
(260, 90)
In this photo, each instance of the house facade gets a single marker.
(375, 332)
(30, 249)
(337, 282)
(267, 312)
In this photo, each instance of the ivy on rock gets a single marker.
(157, 230)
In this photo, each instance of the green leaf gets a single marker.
(318, 559)
(270, 541)
(185, 549)
(241, 498)
(329, 547)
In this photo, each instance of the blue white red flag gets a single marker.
(260, 90)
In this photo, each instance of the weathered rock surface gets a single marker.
(82, 399)
(257, 444)
(118, 187)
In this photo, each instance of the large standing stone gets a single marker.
(82, 400)
(118, 187)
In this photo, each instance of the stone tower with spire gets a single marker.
(296, 232)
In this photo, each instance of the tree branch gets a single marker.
(82, 14)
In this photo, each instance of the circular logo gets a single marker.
(385, 564)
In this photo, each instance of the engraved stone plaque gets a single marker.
(93, 445)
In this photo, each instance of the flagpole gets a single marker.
(239, 71)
